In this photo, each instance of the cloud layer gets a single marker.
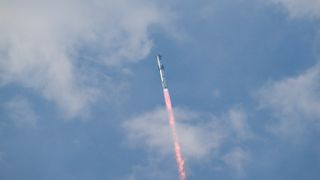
(295, 102)
(44, 45)
(301, 8)
(202, 136)
(21, 112)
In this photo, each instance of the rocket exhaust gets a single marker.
(167, 99)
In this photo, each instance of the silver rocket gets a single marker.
(161, 70)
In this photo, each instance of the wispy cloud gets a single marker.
(301, 8)
(202, 135)
(237, 158)
(238, 123)
(155, 168)
(44, 45)
(152, 130)
(295, 102)
(20, 111)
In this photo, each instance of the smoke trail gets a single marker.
(177, 149)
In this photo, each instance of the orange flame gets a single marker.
(177, 148)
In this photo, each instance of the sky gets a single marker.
(81, 97)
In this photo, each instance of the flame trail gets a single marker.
(177, 149)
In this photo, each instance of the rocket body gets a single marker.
(161, 71)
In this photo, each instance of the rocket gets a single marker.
(161, 71)
(167, 100)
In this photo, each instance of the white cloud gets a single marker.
(216, 93)
(295, 102)
(21, 112)
(239, 124)
(301, 8)
(237, 159)
(203, 136)
(154, 168)
(44, 45)
(152, 130)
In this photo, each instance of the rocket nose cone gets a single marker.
(158, 63)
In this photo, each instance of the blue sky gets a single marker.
(81, 96)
